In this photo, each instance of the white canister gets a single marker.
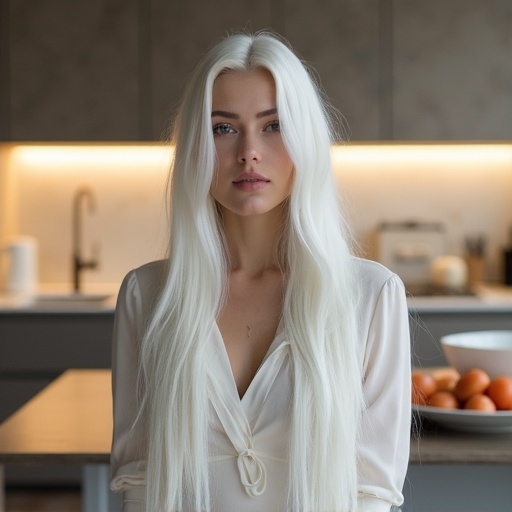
(21, 274)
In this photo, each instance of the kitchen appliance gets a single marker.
(20, 272)
(410, 248)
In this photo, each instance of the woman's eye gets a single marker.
(273, 127)
(222, 129)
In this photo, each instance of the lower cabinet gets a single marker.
(17, 388)
(428, 327)
(457, 488)
(35, 348)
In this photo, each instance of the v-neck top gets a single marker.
(249, 436)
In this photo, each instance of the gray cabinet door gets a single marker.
(452, 70)
(55, 342)
(182, 31)
(114, 70)
(73, 70)
(341, 40)
(395, 69)
(36, 348)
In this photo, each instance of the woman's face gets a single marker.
(254, 171)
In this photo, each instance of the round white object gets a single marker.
(449, 272)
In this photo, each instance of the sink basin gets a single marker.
(71, 297)
(69, 300)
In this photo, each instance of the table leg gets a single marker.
(96, 493)
(2, 488)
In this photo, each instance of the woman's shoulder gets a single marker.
(151, 273)
(373, 276)
(146, 280)
(381, 295)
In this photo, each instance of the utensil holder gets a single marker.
(476, 270)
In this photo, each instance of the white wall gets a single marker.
(467, 187)
(129, 223)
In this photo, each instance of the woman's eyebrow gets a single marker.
(265, 113)
(232, 115)
(223, 113)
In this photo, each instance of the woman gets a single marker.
(261, 367)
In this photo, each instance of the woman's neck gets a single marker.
(252, 241)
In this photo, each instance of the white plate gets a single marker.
(468, 421)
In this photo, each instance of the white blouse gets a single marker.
(249, 436)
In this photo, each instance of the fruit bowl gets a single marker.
(468, 421)
(490, 351)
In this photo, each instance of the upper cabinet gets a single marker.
(341, 41)
(338, 38)
(395, 69)
(73, 70)
(182, 31)
(452, 70)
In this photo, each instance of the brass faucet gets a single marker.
(82, 194)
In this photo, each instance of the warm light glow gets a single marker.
(462, 155)
(465, 186)
(80, 157)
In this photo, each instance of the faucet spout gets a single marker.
(82, 195)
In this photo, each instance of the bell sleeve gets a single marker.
(128, 476)
(383, 446)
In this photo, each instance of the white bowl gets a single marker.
(490, 351)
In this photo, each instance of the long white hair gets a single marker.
(320, 304)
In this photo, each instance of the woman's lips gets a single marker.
(250, 181)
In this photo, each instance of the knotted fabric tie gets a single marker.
(252, 473)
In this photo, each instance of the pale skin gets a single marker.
(253, 179)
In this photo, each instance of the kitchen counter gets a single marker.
(454, 471)
(486, 298)
(472, 304)
(437, 445)
(58, 298)
(39, 340)
(69, 423)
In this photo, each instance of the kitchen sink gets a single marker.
(71, 297)
(69, 300)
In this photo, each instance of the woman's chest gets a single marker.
(248, 324)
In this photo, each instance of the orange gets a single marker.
(480, 403)
(444, 400)
(446, 383)
(423, 386)
(500, 392)
(471, 383)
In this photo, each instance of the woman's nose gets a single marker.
(249, 151)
